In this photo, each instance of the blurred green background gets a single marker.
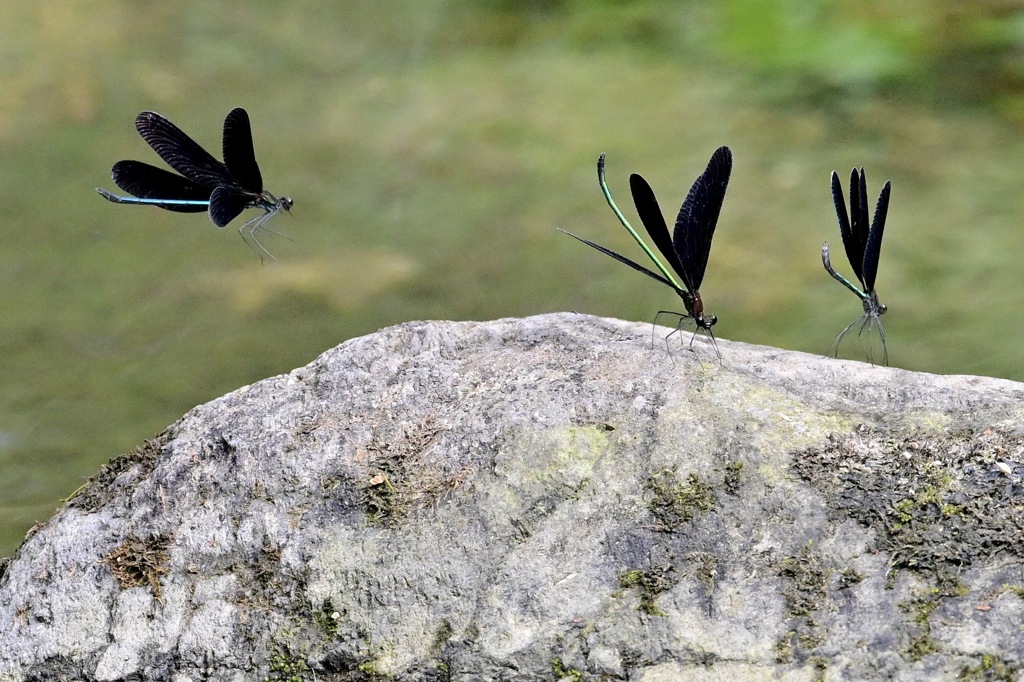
(432, 147)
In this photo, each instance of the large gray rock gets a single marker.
(541, 499)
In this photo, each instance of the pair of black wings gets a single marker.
(229, 187)
(863, 245)
(688, 247)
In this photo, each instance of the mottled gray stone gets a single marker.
(540, 499)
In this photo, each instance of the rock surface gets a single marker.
(542, 499)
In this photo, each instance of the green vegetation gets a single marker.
(805, 589)
(284, 668)
(920, 610)
(328, 619)
(432, 149)
(732, 480)
(560, 672)
(949, 512)
(991, 667)
(651, 582)
(674, 503)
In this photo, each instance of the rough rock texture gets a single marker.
(542, 499)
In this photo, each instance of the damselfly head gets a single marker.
(872, 306)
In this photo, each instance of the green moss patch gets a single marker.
(805, 587)
(651, 582)
(991, 667)
(937, 503)
(674, 502)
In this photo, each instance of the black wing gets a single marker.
(855, 257)
(698, 217)
(226, 203)
(622, 259)
(874, 243)
(149, 182)
(181, 152)
(239, 156)
(650, 215)
(855, 236)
